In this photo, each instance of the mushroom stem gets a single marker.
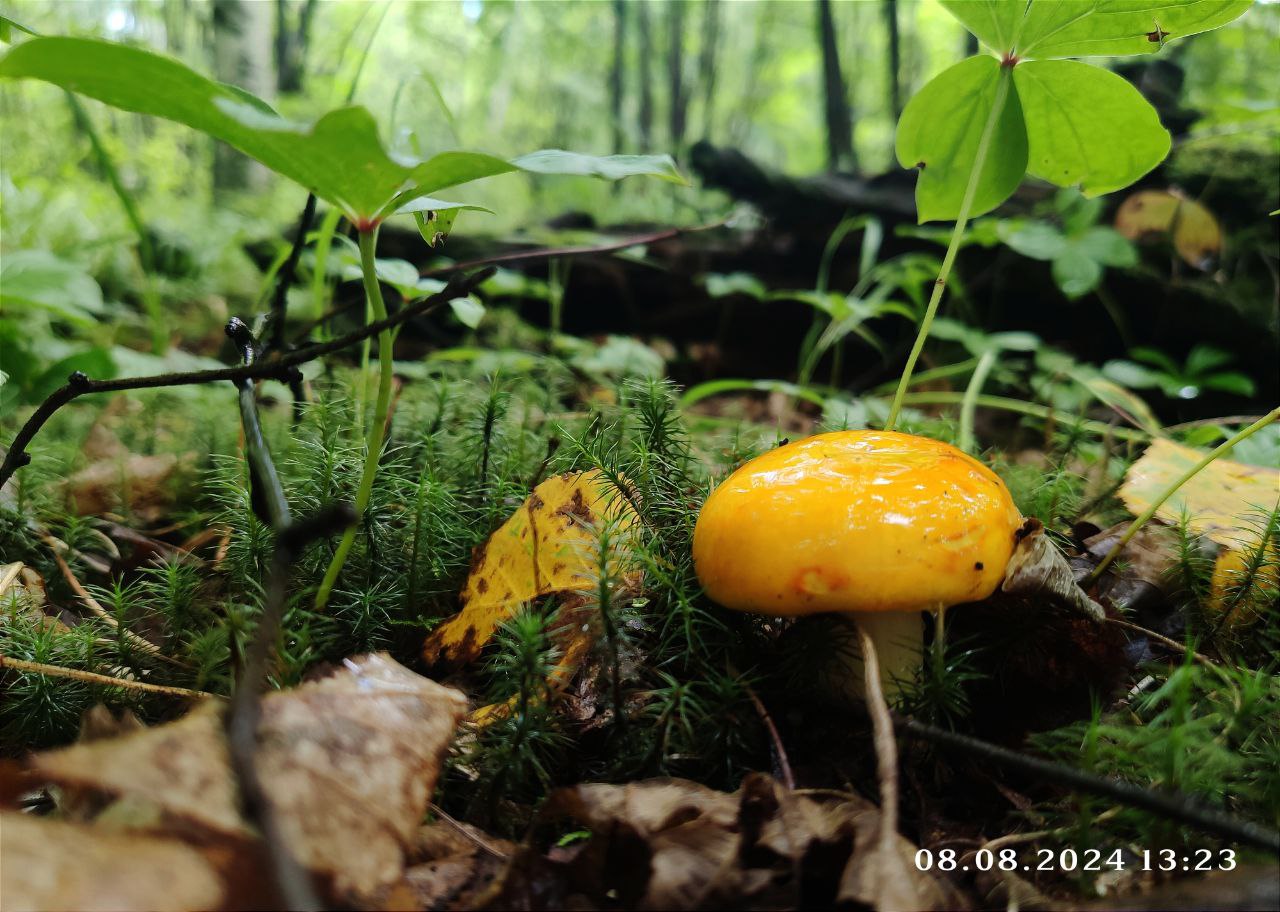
(898, 639)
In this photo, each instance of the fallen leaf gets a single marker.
(137, 483)
(547, 546)
(1219, 502)
(53, 865)
(675, 844)
(349, 763)
(1240, 591)
(1142, 573)
(1196, 234)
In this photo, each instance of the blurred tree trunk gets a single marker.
(840, 152)
(242, 56)
(707, 62)
(292, 42)
(616, 75)
(745, 112)
(895, 57)
(970, 44)
(678, 94)
(645, 113)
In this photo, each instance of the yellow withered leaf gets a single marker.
(548, 545)
(1223, 501)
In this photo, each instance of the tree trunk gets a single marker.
(679, 101)
(970, 44)
(895, 58)
(645, 113)
(707, 62)
(291, 44)
(616, 75)
(242, 53)
(840, 153)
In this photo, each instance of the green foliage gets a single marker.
(1202, 370)
(1066, 122)
(340, 158)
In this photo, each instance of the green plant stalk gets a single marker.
(377, 430)
(957, 235)
(1173, 489)
(320, 275)
(1035, 410)
(970, 402)
(936, 373)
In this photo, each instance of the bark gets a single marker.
(895, 57)
(616, 75)
(242, 50)
(707, 62)
(839, 120)
(676, 90)
(645, 113)
(292, 42)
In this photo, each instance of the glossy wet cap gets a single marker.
(855, 521)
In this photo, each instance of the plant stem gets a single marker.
(89, 677)
(1172, 489)
(377, 430)
(970, 401)
(320, 273)
(957, 234)
(1035, 410)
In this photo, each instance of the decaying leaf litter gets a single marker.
(621, 655)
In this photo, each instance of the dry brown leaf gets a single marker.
(349, 763)
(1195, 232)
(1142, 574)
(138, 483)
(53, 865)
(547, 546)
(675, 844)
(1219, 502)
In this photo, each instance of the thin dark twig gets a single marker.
(286, 275)
(1168, 804)
(294, 883)
(79, 385)
(266, 492)
(280, 304)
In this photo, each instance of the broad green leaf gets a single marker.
(1232, 382)
(939, 133)
(994, 22)
(1075, 272)
(36, 279)
(1037, 240)
(720, 285)
(1096, 28)
(96, 363)
(609, 167)
(1131, 375)
(1107, 246)
(468, 310)
(340, 158)
(1205, 358)
(1087, 126)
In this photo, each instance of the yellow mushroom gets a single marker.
(878, 525)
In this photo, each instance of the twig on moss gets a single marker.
(95, 606)
(1161, 638)
(89, 677)
(1168, 804)
(276, 368)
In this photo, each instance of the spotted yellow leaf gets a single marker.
(1223, 501)
(549, 545)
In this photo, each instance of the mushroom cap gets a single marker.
(855, 521)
